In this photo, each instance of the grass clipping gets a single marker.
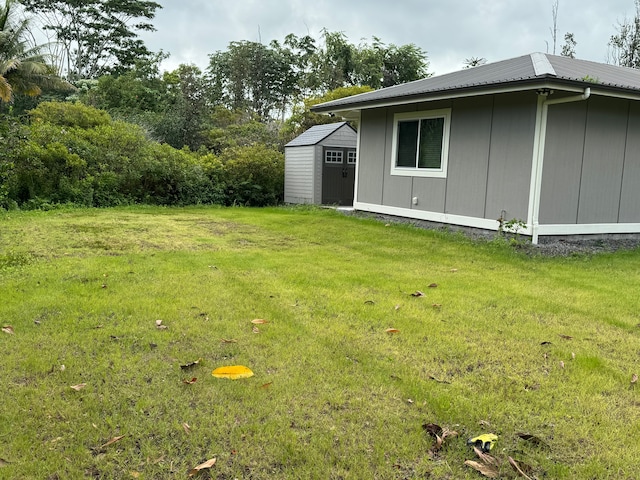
(233, 372)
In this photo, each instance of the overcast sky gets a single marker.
(450, 31)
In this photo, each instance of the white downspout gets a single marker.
(538, 154)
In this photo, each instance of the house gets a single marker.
(549, 140)
(320, 164)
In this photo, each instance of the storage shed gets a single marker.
(551, 141)
(320, 164)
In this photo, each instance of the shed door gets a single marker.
(338, 175)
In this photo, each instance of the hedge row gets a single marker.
(74, 154)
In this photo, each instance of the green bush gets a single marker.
(254, 175)
(69, 115)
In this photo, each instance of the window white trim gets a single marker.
(444, 155)
(351, 157)
(333, 156)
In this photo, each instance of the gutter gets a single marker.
(538, 153)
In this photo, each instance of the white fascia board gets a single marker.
(589, 229)
(444, 218)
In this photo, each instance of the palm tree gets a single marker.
(23, 69)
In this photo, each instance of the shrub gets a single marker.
(69, 115)
(254, 175)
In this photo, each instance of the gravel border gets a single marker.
(549, 246)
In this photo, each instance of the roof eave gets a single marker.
(543, 82)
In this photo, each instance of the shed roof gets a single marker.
(523, 72)
(315, 134)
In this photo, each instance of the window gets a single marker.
(351, 157)
(421, 143)
(333, 156)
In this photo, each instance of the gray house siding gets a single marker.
(592, 163)
(491, 148)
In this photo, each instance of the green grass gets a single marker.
(334, 396)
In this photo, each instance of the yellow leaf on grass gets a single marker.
(392, 330)
(78, 387)
(232, 372)
(203, 466)
(258, 321)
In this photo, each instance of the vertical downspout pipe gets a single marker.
(540, 155)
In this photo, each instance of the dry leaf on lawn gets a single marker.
(255, 330)
(266, 385)
(517, 468)
(203, 466)
(190, 382)
(78, 387)
(8, 329)
(187, 428)
(233, 372)
(3, 462)
(527, 437)
(397, 307)
(489, 471)
(112, 441)
(634, 378)
(433, 285)
(160, 326)
(417, 293)
(230, 340)
(392, 330)
(189, 365)
(566, 337)
(486, 458)
(258, 321)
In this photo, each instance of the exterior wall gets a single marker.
(489, 167)
(591, 169)
(299, 175)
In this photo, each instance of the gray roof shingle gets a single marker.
(315, 134)
(526, 70)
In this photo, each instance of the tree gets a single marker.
(569, 47)
(23, 69)
(252, 77)
(554, 27)
(624, 47)
(95, 36)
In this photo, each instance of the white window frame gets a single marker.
(441, 172)
(333, 160)
(352, 157)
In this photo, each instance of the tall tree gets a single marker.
(95, 36)
(252, 77)
(569, 47)
(624, 47)
(23, 69)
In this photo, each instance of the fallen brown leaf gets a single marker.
(437, 305)
(431, 377)
(187, 428)
(112, 441)
(369, 302)
(203, 466)
(392, 330)
(486, 458)
(527, 437)
(634, 378)
(160, 326)
(489, 471)
(3, 462)
(230, 340)
(566, 337)
(8, 329)
(78, 387)
(259, 321)
(417, 293)
(433, 285)
(396, 308)
(190, 382)
(517, 468)
(266, 385)
(255, 330)
(189, 365)
(561, 364)
(453, 270)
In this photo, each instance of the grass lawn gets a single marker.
(500, 343)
